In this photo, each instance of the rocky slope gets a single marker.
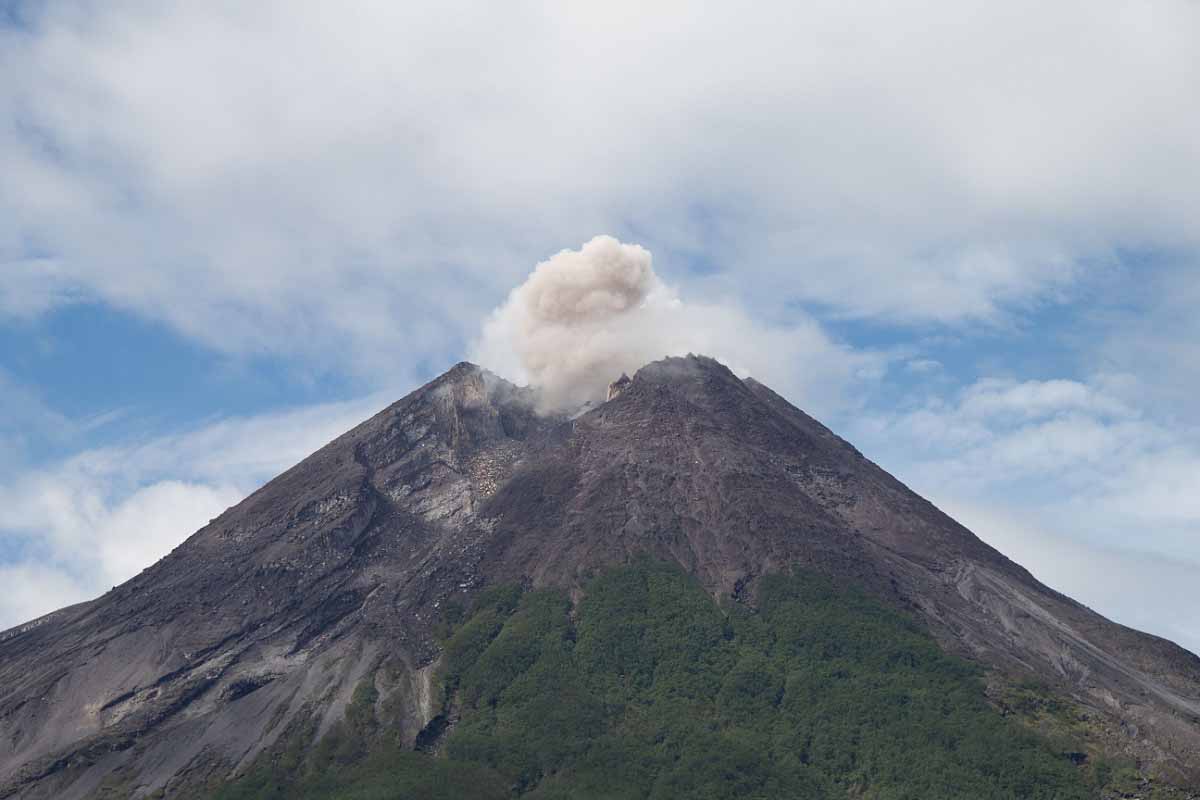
(342, 564)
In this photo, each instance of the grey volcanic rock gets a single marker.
(337, 570)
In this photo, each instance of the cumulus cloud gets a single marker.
(1067, 478)
(583, 317)
(32, 590)
(1070, 454)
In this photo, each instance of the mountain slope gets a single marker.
(279, 607)
(648, 690)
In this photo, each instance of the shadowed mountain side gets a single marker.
(282, 604)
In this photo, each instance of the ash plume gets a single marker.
(583, 317)
(580, 319)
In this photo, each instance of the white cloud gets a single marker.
(77, 527)
(1069, 456)
(31, 590)
(33, 286)
(1141, 590)
(1145, 346)
(289, 180)
(1097, 499)
(1000, 398)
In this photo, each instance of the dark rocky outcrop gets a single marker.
(337, 571)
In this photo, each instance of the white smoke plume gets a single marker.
(583, 317)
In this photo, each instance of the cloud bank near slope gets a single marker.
(71, 530)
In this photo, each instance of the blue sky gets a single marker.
(964, 235)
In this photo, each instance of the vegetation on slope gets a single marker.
(649, 690)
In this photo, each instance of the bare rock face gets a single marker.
(617, 386)
(337, 570)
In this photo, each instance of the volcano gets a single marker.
(341, 573)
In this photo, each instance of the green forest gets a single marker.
(649, 689)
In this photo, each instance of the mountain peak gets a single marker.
(470, 385)
(347, 562)
(691, 368)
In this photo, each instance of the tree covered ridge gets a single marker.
(647, 689)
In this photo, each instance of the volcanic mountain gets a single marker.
(340, 572)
